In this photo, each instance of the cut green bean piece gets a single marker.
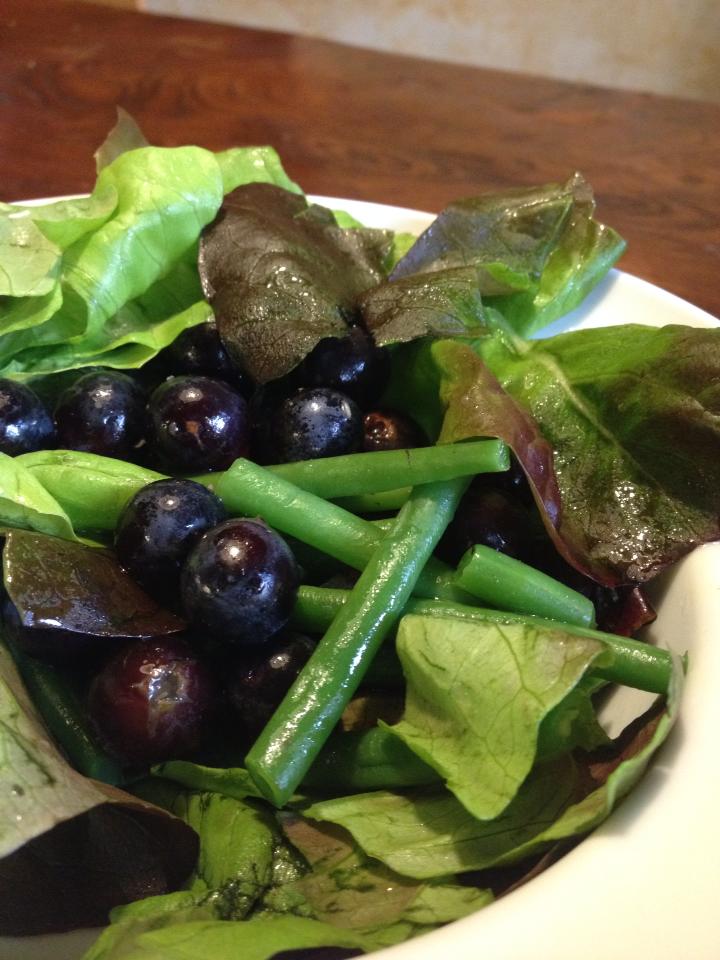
(368, 473)
(285, 750)
(509, 584)
(629, 662)
(371, 760)
(61, 709)
(250, 490)
(387, 501)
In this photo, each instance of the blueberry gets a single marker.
(197, 424)
(103, 412)
(257, 680)
(158, 528)
(151, 702)
(25, 424)
(200, 350)
(388, 430)
(317, 422)
(240, 582)
(351, 364)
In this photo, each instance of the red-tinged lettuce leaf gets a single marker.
(353, 892)
(453, 395)
(584, 252)
(282, 275)
(72, 848)
(631, 413)
(507, 237)
(624, 611)
(65, 598)
(537, 252)
(442, 304)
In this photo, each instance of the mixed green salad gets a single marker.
(440, 743)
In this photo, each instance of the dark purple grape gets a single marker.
(388, 430)
(257, 681)
(197, 424)
(489, 517)
(102, 412)
(240, 582)
(25, 424)
(151, 702)
(158, 528)
(316, 422)
(352, 364)
(200, 351)
(262, 407)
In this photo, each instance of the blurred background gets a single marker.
(659, 46)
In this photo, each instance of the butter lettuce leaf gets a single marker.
(113, 275)
(27, 504)
(29, 262)
(425, 832)
(477, 694)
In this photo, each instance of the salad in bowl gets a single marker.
(324, 555)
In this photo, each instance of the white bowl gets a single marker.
(646, 881)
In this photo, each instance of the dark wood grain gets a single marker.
(360, 124)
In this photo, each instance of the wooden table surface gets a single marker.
(359, 124)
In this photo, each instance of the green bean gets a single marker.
(60, 707)
(368, 473)
(370, 760)
(509, 584)
(247, 488)
(285, 750)
(387, 501)
(629, 662)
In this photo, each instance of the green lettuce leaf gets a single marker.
(126, 284)
(29, 262)
(125, 135)
(25, 502)
(477, 694)
(18, 313)
(64, 222)
(350, 891)
(259, 938)
(426, 832)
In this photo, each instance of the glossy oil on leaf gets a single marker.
(537, 251)
(67, 596)
(443, 304)
(632, 415)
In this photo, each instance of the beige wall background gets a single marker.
(662, 46)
